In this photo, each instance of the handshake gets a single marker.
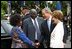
(36, 44)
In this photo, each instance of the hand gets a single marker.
(37, 45)
(20, 41)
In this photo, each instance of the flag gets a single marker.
(58, 5)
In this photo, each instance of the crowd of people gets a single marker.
(31, 30)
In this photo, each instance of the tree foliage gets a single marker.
(3, 8)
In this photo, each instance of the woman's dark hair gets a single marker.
(15, 19)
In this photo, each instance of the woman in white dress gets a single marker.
(56, 40)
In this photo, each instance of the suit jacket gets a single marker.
(56, 39)
(45, 31)
(29, 28)
(25, 16)
(66, 33)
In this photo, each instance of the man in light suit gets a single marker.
(32, 26)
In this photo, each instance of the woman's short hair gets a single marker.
(58, 14)
(15, 19)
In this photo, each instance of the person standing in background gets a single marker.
(25, 12)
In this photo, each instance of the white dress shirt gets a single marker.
(34, 25)
(49, 22)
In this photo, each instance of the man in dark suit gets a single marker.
(25, 12)
(47, 26)
(32, 26)
(66, 31)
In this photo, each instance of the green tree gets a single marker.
(3, 8)
(64, 7)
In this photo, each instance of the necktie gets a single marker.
(37, 30)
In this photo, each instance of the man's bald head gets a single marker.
(33, 13)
